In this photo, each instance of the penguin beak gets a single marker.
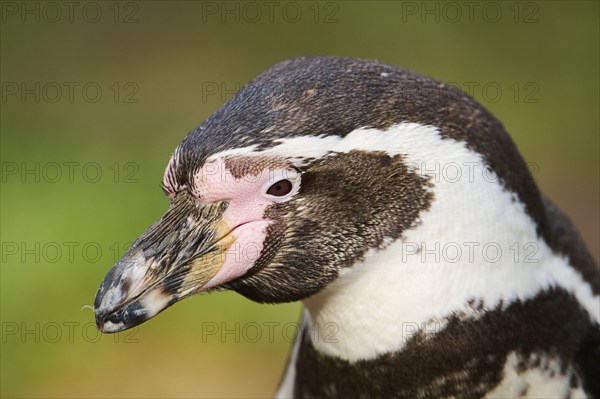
(175, 258)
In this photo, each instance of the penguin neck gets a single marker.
(474, 250)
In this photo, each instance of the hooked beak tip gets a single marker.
(130, 313)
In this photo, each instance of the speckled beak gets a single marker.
(173, 259)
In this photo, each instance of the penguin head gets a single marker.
(292, 182)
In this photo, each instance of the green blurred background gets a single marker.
(162, 68)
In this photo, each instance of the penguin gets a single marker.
(400, 212)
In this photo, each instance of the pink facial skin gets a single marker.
(248, 199)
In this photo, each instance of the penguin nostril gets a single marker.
(99, 320)
(117, 317)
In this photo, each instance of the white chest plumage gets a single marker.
(475, 245)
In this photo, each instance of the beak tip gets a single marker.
(116, 321)
(103, 324)
(112, 317)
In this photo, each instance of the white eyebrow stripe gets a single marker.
(392, 141)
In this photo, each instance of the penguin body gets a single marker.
(403, 216)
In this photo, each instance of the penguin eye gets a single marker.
(280, 188)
